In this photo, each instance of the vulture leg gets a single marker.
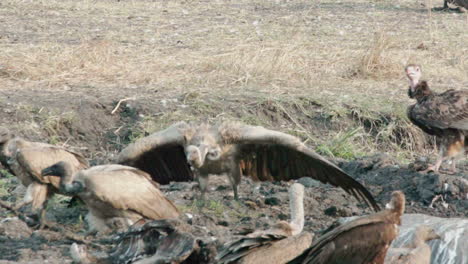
(36, 194)
(234, 178)
(203, 185)
(42, 217)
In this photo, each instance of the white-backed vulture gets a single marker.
(361, 241)
(444, 115)
(158, 241)
(26, 159)
(233, 149)
(416, 251)
(278, 245)
(114, 192)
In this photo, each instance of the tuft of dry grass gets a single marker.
(377, 62)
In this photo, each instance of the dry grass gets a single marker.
(247, 48)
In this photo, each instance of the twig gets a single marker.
(120, 102)
(8, 207)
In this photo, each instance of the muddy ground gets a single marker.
(260, 205)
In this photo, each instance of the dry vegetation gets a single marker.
(345, 56)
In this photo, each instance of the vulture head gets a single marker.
(397, 203)
(63, 170)
(202, 146)
(5, 135)
(417, 87)
(427, 233)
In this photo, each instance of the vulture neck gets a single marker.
(418, 240)
(296, 201)
(419, 90)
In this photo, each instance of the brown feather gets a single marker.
(361, 241)
(121, 191)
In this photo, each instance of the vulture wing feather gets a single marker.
(39, 156)
(359, 242)
(161, 154)
(268, 155)
(442, 111)
(142, 195)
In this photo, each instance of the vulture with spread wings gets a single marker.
(444, 115)
(186, 151)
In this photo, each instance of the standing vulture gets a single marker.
(113, 192)
(26, 159)
(361, 241)
(233, 149)
(415, 252)
(278, 245)
(444, 115)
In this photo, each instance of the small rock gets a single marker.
(14, 228)
(251, 205)
(246, 219)
(283, 217)
(47, 235)
(272, 201)
(308, 182)
(223, 223)
(331, 211)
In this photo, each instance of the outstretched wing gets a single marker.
(268, 155)
(32, 160)
(448, 110)
(128, 188)
(361, 241)
(161, 154)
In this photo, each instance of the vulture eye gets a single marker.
(214, 154)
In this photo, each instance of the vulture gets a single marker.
(362, 241)
(158, 241)
(184, 151)
(444, 115)
(113, 192)
(416, 251)
(26, 159)
(278, 245)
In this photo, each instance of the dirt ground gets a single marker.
(329, 72)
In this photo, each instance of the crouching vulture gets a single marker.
(416, 251)
(277, 245)
(233, 149)
(113, 192)
(26, 159)
(362, 241)
(444, 115)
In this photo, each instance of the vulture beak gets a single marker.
(49, 171)
(203, 152)
(196, 155)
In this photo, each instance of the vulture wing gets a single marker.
(443, 111)
(161, 154)
(234, 251)
(361, 241)
(268, 155)
(34, 159)
(128, 188)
